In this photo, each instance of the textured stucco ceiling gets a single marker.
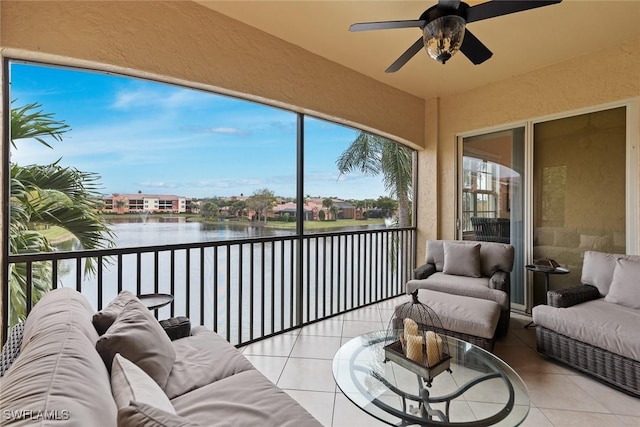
(520, 42)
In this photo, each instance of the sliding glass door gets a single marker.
(492, 195)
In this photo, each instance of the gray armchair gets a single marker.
(486, 276)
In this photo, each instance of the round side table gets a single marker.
(155, 301)
(547, 272)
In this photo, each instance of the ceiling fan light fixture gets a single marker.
(443, 37)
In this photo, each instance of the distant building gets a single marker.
(152, 203)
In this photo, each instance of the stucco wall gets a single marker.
(187, 41)
(582, 82)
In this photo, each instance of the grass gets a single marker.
(56, 234)
(314, 225)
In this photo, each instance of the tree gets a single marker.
(327, 203)
(334, 212)
(261, 201)
(238, 208)
(47, 195)
(373, 155)
(209, 210)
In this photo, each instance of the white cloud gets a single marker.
(215, 130)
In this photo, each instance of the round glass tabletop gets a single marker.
(479, 389)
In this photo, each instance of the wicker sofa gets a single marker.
(448, 272)
(65, 373)
(594, 327)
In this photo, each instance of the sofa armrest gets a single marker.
(176, 327)
(568, 297)
(501, 281)
(424, 271)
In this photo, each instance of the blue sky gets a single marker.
(162, 139)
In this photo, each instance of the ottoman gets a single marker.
(470, 319)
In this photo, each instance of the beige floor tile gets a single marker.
(317, 403)
(485, 410)
(556, 391)
(615, 401)
(536, 419)
(317, 347)
(270, 366)
(347, 414)
(353, 328)
(525, 360)
(629, 421)
(365, 314)
(326, 328)
(307, 374)
(567, 418)
(280, 345)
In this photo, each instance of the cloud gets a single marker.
(215, 130)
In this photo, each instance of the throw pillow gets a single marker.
(139, 414)
(462, 259)
(128, 383)
(105, 317)
(625, 286)
(138, 336)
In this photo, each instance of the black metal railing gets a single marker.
(243, 289)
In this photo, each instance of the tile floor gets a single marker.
(300, 363)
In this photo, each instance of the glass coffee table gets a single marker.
(478, 390)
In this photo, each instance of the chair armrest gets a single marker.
(501, 281)
(568, 297)
(424, 271)
(176, 327)
(11, 348)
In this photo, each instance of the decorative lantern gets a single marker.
(417, 340)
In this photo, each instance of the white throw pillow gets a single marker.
(625, 286)
(130, 383)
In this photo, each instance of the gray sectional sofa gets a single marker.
(133, 374)
(483, 274)
(595, 327)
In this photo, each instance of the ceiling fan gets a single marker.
(443, 28)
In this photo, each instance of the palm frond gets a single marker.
(30, 122)
(362, 155)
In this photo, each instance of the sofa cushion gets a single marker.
(59, 370)
(105, 317)
(598, 267)
(203, 358)
(476, 287)
(435, 253)
(142, 415)
(138, 336)
(461, 260)
(625, 286)
(130, 383)
(608, 326)
(247, 399)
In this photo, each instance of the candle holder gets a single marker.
(417, 340)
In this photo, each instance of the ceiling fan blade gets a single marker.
(474, 49)
(385, 25)
(495, 8)
(406, 56)
(448, 4)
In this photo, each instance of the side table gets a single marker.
(155, 301)
(547, 272)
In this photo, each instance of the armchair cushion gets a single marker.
(625, 286)
(461, 259)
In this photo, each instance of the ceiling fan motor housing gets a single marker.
(443, 31)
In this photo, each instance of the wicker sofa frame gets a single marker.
(613, 369)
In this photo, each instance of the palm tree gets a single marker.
(373, 155)
(327, 203)
(43, 196)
